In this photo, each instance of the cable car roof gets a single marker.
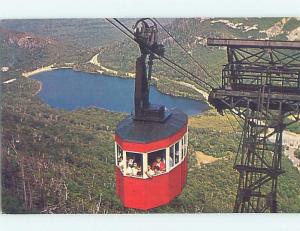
(146, 132)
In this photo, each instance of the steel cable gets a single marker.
(198, 64)
(167, 59)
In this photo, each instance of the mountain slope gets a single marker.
(192, 34)
(82, 33)
(28, 51)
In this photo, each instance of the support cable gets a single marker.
(188, 72)
(198, 64)
(192, 79)
(120, 29)
(167, 59)
(125, 27)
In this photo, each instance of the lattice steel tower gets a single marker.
(260, 84)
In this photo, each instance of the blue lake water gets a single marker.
(69, 90)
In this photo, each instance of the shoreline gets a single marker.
(49, 68)
(94, 61)
(109, 72)
(203, 93)
(43, 69)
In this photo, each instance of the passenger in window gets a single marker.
(130, 162)
(156, 169)
(158, 165)
(121, 163)
(129, 170)
(135, 169)
(150, 173)
(140, 173)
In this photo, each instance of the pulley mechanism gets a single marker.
(145, 34)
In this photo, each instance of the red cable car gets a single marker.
(151, 144)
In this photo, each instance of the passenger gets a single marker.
(121, 163)
(129, 171)
(134, 169)
(156, 169)
(150, 173)
(158, 165)
(130, 162)
(139, 173)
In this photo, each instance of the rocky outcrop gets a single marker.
(294, 34)
(277, 28)
(25, 40)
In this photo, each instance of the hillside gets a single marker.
(192, 34)
(24, 51)
(86, 33)
(83, 33)
(54, 161)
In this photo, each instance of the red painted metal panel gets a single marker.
(145, 194)
(134, 196)
(175, 181)
(184, 171)
(118, 183)
(157, 191)
(142, 147)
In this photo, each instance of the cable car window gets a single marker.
(134, 164)
(156, 162)
(177, 152)
(121, 163)
(172, 158)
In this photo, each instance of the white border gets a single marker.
(149, 8)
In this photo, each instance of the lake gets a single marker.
(69, 90)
